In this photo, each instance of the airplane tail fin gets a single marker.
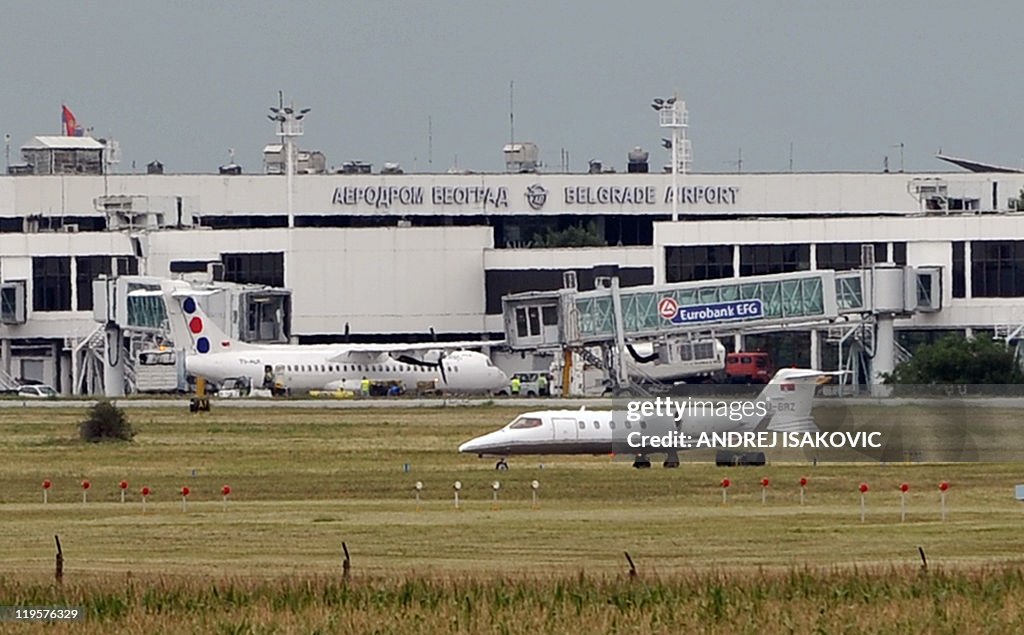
(790, 396)
(191, 328)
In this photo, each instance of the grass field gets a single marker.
(304, 481)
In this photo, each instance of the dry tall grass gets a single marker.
(900, 600)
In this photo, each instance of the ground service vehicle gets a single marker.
(749, 368)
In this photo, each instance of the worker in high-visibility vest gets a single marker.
(542, 385)
(516, 383)
(364, 387)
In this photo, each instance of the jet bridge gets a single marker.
(132, 320)
(610, 317)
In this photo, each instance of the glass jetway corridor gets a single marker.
(611, 317)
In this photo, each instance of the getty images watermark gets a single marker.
(671, 423)
(915, 423)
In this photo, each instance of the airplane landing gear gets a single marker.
(671, 460)
(501, 465)
(641, 462)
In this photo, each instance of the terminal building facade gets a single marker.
(411, 257)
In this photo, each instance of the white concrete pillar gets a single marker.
(67, 377)
(815, 349)
(884, 361)
(113, 363)
(5, 354)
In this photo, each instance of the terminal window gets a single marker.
(127, 266)
(899, 253)
(87, 269)
(255, 268)
(843, 256)
(704, 262)
(756, 260)
(997, 268)
(959, 274)
(51, 283)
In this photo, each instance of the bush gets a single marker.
(106, 421)
(955, 359)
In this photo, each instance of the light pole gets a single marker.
(672, 114)
(289, 126)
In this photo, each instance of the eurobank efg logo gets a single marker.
(536, 196)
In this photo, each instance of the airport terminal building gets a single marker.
(408, 257)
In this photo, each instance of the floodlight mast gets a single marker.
(289, 126)
(672, 114)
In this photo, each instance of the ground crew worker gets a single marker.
(364, 387)
(516, 383)
(542, 385)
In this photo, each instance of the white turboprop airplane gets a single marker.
(211, 354)
(787, 400)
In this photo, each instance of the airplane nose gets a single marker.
(500, 379)
(477, 445)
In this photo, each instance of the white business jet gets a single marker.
(785, 407)
(211, 354)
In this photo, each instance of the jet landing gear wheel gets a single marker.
(671, 460)
(641, 462)
(501, 465)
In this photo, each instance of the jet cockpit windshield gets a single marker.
(522, 423)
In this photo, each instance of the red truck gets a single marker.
(749, 368)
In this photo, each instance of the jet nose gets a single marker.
(480, 445)
(500, 379)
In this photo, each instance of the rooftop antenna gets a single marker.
(738, 163)
(511, 112)
(430, 143)
(900, 146)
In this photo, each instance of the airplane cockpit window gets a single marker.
(522, 423)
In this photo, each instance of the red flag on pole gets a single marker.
(68, 118)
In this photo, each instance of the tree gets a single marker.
(955, 359)
(105, 421)
(573, 236)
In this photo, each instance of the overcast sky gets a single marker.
(843, 83)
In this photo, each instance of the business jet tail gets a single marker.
(790, 397)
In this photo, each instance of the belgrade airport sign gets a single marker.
(670, 310)
(505, 195)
